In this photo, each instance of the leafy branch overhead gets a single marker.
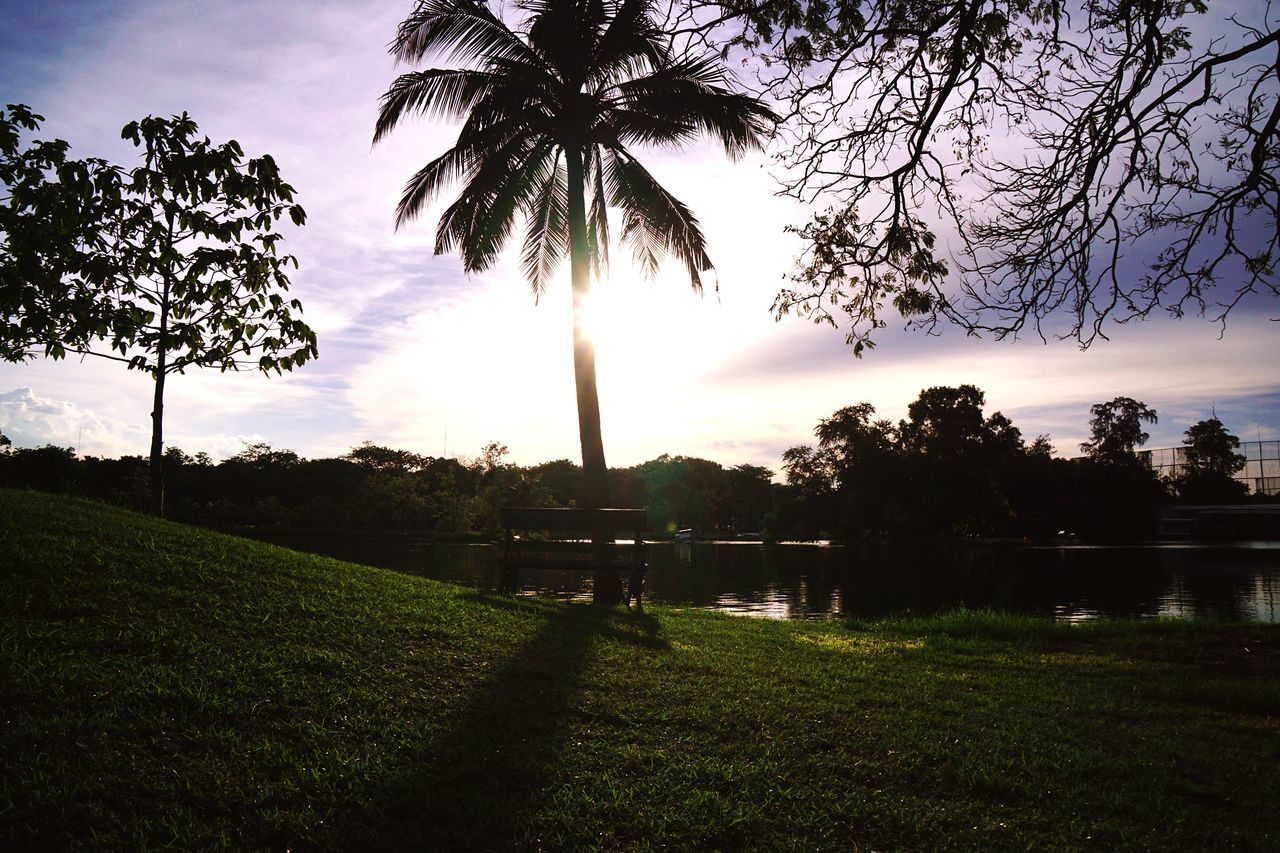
(1020, 166)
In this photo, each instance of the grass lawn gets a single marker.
(168, 686)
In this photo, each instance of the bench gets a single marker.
(573, 539)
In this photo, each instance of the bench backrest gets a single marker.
(556, 520)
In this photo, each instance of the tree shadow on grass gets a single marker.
(474, 786)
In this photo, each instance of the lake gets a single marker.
(1235, 581)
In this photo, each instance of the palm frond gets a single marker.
(565, 34)
(446, 94)
(547, 239)
(454, 30)
(632, 45)
(597, 215)
(474, 145)
(479, 223)
(654, 222)
(428, 181)
(689, 92)
(632, 127)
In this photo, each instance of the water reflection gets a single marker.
(1239, 582)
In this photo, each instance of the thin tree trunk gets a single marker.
(157, 407)
(157, 442)
(607, 586)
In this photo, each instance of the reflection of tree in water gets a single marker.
(1218, 584)
(869, 581)
(1199, 583)
(1266, 597)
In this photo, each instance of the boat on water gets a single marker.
(683, 536)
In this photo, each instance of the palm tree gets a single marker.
(550, 114)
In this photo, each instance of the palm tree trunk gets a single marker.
(607, 586)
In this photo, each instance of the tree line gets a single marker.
(948, 469)
(379, 488)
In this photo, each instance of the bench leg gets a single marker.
(635, 588)
(635, 585)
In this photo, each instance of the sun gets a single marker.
(651, 333)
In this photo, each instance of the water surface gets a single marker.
(1234, 581)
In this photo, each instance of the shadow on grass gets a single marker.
(474, 786)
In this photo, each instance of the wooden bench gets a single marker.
(573, 539)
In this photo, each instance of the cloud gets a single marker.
(30, 420)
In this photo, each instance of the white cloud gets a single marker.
(30, 420)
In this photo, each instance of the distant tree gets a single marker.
(563, 480)
(49, 468)
(961, 460)
(747, 498)
(1117, 431)
(1068, 162)
(627, 488)
(500, 483)
(1042, 447)
(493, 457)
(203, 283)
(6, 446)
(550, 114)
(863, 457)
(263, 455)
(944, 421)
(684, 491)
(380, 458)
(59, 219)
(1209, 447)
(176, 456)
(807, 506)
(1212, 460)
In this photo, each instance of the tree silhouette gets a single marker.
(200, 274)
(1210, 447)
(1212, 460)
(170, 265)
(551, 113)
(1117, 431)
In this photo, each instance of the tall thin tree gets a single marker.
(550, 113)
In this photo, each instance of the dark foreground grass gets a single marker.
(165, 686)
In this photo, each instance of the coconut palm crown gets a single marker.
(551, 113)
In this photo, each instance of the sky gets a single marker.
(415, 354)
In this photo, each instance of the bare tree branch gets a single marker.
(1018, 166)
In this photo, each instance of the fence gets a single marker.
(1261, 471)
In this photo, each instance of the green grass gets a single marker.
(168, 686)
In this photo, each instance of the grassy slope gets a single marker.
(169, 686)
